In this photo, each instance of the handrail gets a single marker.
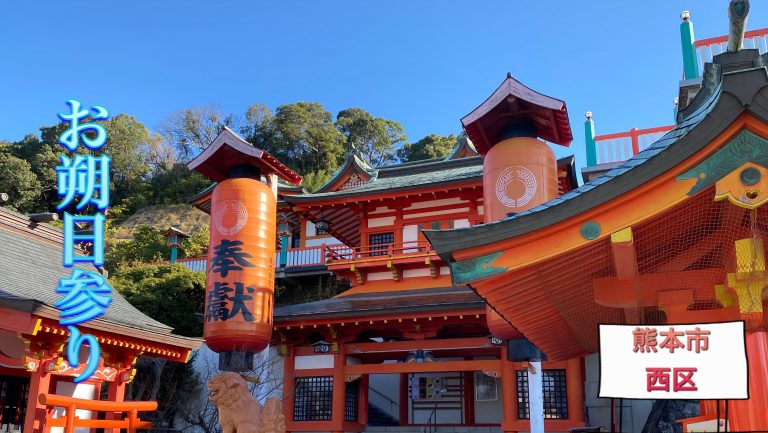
(431, 426)
(720, 39)
(620, 146)
(70, 421)
(386, 397)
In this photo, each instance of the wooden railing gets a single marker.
(621, 146)
(307, 256)
(710, 47)
(296, 257)
(70, 421)
(337, 254)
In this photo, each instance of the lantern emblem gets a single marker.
(523, 184)
(230, 217)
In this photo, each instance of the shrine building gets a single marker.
(33, 344)
(468, 275)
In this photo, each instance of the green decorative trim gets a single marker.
(745, 147)
(590, 230)
(469, 270)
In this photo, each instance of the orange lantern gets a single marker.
(241, 270)
(518, 174)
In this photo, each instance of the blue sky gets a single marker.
(425, 64)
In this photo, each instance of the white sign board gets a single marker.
(700, 361)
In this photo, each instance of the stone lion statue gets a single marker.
(239, 411)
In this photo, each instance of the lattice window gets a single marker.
(383, 239)
(353, 182)
(555, 395)
(486, 387)
(313, 397)
(351, 400)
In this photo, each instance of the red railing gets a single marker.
(621, 146)
(710, 47)
(70, 421)
(339, 254)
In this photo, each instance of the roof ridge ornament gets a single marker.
(738, 10)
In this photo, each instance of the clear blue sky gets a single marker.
(423, 63)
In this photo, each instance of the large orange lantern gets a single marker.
(241, 269)
(518, 174)
(240, 284)
(519, 170)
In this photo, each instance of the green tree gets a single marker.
(172, 295)
(375, 138)
(305, 138)
(149, 245)
(431, 146)
(19, 182)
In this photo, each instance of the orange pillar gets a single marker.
(339, 391)
(289, 384)
(575, 390)
(751, 415)
(115, 393)
(34, 420)
(509, 393)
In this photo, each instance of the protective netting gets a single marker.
(702, 261)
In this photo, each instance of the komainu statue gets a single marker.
(239, 411)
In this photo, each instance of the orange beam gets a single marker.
(423, 367)
(407, 346)
(644, 290)
(111, 406)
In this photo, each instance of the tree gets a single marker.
(170, 294)
(19, 182)
(431, 146)
(149, 245)
(375, 138)
(192, 129)
(305, 138)
(193, 408)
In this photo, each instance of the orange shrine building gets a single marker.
(33, 344)
(470, 272)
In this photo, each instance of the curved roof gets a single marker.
(743, 89)
(30, 270)
(548, 294)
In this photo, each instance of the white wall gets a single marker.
(80, 390)
(330, 240)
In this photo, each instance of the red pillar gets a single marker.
(509, 393)
(751, 415)
(339, 391)
(403, 400)
(469, 397)
(289, 384)
(575, 391)
(362, 411)
(34, 420)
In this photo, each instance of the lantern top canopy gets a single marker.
(173, 231)
(229, 150)
(514, 103)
